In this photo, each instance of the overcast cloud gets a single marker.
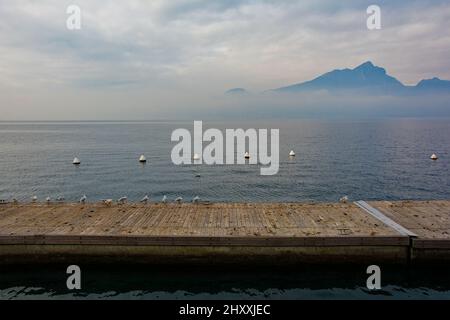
(159, 59)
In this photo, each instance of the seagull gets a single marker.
(179, 199)
(83, 199)
(145, 199)
(164, 199)
(122, 200)
(60, 199)
(47, 199)
(196, 199)
(33, 199)
(344, 199)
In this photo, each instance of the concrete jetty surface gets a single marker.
(362, 232)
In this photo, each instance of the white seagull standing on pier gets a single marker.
(83, 199)
(145, 199)
(164, 199)
(122, 200)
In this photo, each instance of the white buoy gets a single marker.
(247, 155)
(145, 199)
(83, 199)
(434, 157)
(179, 199)
(344, 199)
(76, 161)
(164, 199)
(292, 153)
(142, 158)
(196, 156)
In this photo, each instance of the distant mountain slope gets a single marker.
(365, 78)
(434, 84)
(236, 91)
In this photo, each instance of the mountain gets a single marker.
(367, 79)
(433, 85)
(236, 92)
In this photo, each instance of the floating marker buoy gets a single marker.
(142, 159)
(76, 161)
(434, 157)
(292, 153)
(196, 156)
(247, 155)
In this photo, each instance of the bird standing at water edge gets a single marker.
(122, 200)
(344, 199)
(83, 199)
(196, 199)
(145, 199)
(179, 199)
(164, 199)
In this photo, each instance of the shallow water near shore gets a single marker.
(303, 282)
(364, 159)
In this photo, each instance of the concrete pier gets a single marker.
(270, 233)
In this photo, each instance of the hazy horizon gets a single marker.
(174, 60)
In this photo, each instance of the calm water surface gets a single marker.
(303, 282)
(379, 159)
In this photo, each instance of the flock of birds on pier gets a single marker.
(121, 200)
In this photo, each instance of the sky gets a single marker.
(161, 59)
